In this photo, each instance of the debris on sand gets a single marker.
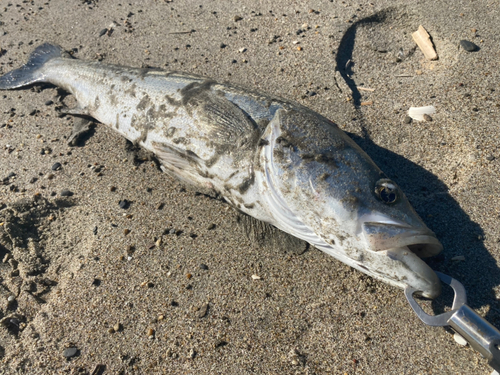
(423, 40)
(420, 113)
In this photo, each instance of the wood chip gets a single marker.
(423, 40)
(365, 89)
(367, 103)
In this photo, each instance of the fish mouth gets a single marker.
(382, 237)
(403, 248)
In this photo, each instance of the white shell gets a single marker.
(460, 340)
(417, 113)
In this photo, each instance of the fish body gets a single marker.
(272, 159)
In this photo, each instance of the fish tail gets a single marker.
(32, 71)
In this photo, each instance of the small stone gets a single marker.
(33, 180)
(117, 327)
(203, 266)
(468, 46)
(103, 32)
(124, 204)
(222, 45)
(220, 343)
(192, 353)
(49, 102)
(427, 117)
(70, 352)
(237, 18)
(241, 50)
(490, 158)
(211, 226)
(111, 330)
(11, 299)
(255, 277)
(151, 332)
(407, 120)
(112, 188)
(234, 61)
(66, 193)
(203, 311)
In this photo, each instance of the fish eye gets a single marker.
(386, 191)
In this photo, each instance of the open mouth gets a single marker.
(405, 245)
(381, 237)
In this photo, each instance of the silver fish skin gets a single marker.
(272, 159)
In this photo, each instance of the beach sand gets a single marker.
(165, 284)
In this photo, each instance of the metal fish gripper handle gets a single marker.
(480, 334)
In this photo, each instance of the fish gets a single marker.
(270, 158)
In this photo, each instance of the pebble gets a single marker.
(70, 352)
(427, 117)
(102, 32)
(222, 45)
(124, 204)
(203, 311)
(192, 353)
(237, 18)
(203, 266)
(117, 327)
(66, 193)
(234, 61)
(407, 120)
(49, 102)
(11, 299)
(468, 46)
(255, 277)
(56, 166)
(241, 50)
(490, 158)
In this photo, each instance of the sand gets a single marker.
(165, 285)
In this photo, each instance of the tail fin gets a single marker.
(30, 73)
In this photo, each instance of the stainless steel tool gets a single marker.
(480, 334)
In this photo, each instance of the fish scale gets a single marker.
(270, 158)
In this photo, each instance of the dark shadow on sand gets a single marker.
(430, 198)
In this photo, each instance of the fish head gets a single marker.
(326, 190)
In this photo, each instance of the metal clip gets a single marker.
(480, 334)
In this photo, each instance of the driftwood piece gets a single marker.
(423, 40)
